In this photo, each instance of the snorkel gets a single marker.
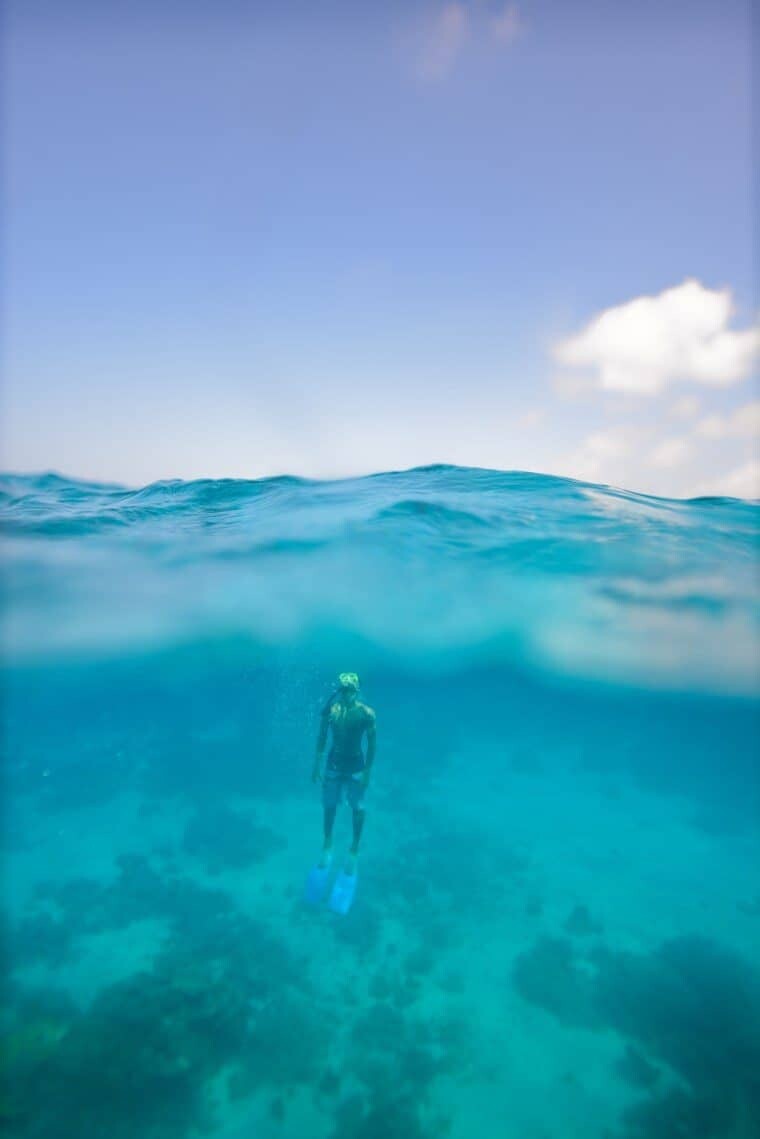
(346, 692)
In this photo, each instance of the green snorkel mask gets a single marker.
(347, 682)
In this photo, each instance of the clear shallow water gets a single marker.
(558, 922)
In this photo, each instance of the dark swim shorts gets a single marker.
(336, 788)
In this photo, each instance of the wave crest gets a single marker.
(433, 563)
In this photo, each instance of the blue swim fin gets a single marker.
(316, 884)
(342, 894)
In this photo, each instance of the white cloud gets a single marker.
(507, 24)
(744, 422)
(600, 455)
(647, 343)
(670, 453)
(607, 444)
(685, 408)
(742, 482)
(442, 41)
(569, 385)
(532, 418)
(712, 427)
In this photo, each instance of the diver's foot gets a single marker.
(325, 857)
(351, 861)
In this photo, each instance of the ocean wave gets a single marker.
(434, 564)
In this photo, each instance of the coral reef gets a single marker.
(696, 1006)
(550, 975)
(691, 1004)
(141, 1059)
(385, 1117)
(579, 923)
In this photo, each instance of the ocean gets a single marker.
(556, 926)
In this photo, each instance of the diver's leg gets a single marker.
(329, 823)
(356, 799)
(358, 824)
(330, 794)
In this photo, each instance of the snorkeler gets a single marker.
(348, 769)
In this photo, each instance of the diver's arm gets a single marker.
(371, 741)
(324, 723)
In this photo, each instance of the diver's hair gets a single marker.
(329, 702)
(333, 696)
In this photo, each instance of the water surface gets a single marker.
(557, 925)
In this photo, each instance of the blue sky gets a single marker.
(246, 238)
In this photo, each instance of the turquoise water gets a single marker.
(556, 930)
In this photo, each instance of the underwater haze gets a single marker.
(556, 929)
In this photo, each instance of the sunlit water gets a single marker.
(556, 930)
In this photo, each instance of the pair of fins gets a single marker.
(342, 894)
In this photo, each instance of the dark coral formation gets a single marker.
(40, 937)
(225, 1003)
(448, 867)
(685, 1115)
(579, 923)
(223, 991)
(286, 1044)
(390, 1049)
(34, 1022)
(80, 906)
(550, 975)
(695, 1005)
(385, 1116)
(140, 1060)
(396, 1059)
(691, 1005)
